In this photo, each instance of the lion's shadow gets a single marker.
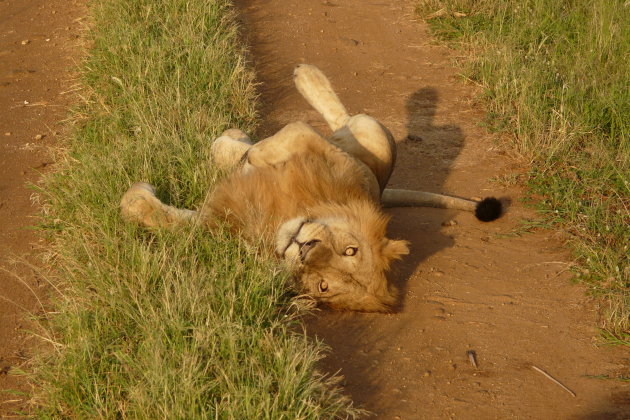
(423, 163)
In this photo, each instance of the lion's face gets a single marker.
(337, 262)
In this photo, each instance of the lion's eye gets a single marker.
(350, 251)
(322, 286)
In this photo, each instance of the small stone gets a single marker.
(26, 42)
(39, 136)
(8, 133)
(449, 223)
(350, 41)
(427, 373)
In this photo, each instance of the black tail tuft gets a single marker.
(488, 209)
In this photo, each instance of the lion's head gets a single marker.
(340, 255)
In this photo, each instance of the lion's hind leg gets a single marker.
(370, 142)
(361, 135)
(140, 205)
(317, 90)
(228, 149)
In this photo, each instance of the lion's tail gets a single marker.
(486, 210)
(317, 90)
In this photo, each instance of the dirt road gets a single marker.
(466, 286)
(38, 48)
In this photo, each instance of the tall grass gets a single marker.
(156, 324)
(556, 76)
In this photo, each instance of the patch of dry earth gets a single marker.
(39, 43)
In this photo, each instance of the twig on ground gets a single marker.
(551, 378)
(9, 402)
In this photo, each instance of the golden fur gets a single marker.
(316, 202)
(258, 203)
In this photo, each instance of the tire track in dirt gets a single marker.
(38, 49)
(466, 285)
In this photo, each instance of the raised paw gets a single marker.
(317, 90)
(228, 149)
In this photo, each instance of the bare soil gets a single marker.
(467, 286)
(38, 47)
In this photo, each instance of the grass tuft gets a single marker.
(555, 76)
(156, 324)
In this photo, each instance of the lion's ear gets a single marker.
(394, 249)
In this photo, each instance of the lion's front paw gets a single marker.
(228, 149)
(263, 155)
(139, 204)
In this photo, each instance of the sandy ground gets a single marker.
(38, 48)
(467, 286)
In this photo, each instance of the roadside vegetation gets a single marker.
(156, 324)
(555, 76)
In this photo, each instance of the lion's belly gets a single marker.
(257, 201)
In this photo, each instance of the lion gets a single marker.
(315, 202)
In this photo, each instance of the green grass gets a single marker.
(157, 324)
(555, 75)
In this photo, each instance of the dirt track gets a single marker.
(466, 286)
(38, 46)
